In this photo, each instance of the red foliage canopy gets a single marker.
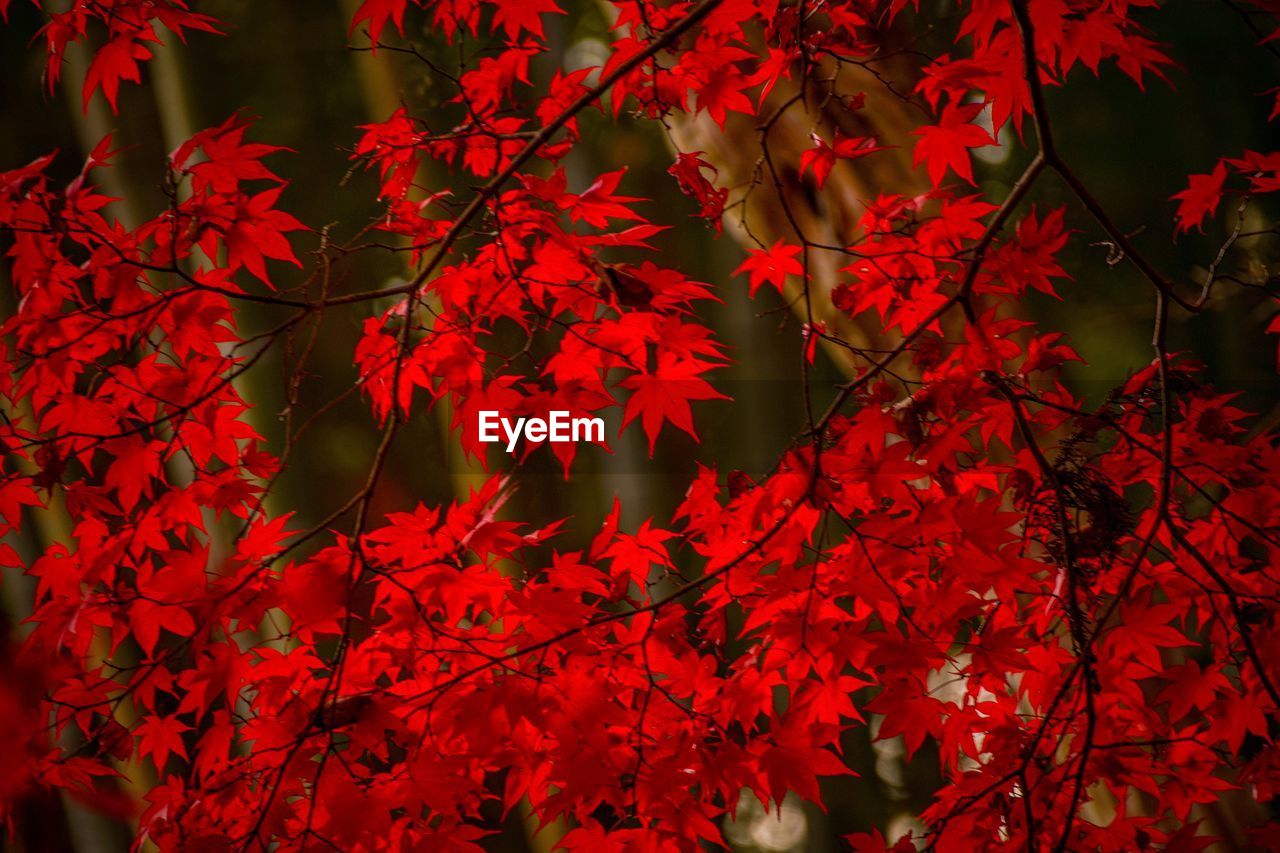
(1101, 582)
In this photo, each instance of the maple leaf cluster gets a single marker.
(1098, 580)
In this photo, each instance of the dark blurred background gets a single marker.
(287, 62)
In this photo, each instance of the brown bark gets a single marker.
(769, 198)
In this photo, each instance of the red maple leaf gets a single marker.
(771, 265)
(115, 61)
(946, 145)
(379, 13)
(821, 158)
(1200, 199)
(159, 737)
(664, 395)
(518, 16)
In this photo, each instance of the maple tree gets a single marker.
(1097, 575)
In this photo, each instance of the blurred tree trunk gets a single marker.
(769, 198)
(87, 830)
(382, 89)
